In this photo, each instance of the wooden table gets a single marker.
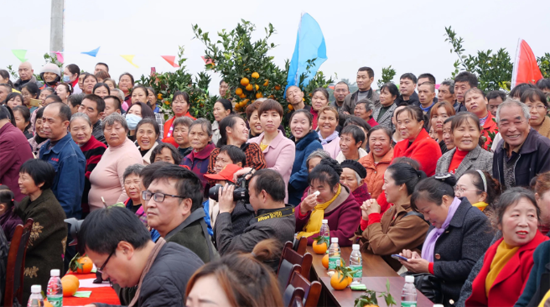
(375, 274)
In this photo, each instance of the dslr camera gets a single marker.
(240, 192)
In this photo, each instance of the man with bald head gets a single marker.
(65, 156)
(25, 75)
(295, 97)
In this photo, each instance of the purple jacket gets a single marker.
(9, 220)
(198, 162)
(14, 151)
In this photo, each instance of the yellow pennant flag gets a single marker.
(130, 59)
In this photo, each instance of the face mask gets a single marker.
(132, 120)
(66, 79)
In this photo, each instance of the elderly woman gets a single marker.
(327, 123)
(279, 152)
(47, 243)
(200, 136)
(132, 187)
(476, 103)
(364, 109)
(88, 83)
(166, 152)
(537, 103)
(353, 176)
(508, 262)
(64, 90)
(467, 154)
(81, 132)
(398, 227)
(388, 94)
(107, 178)
(480, 188)
(438, 114)
(459, 234)
(181, 135)
(378, 159)
(222, 108)
(351, 139)
(233, 131)
(417, 143)
(319, 100)
(180, 106)
(334, 203)
(147, 134)
(307, 141)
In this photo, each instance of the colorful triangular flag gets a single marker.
(92, 53)
(526, 69)
(60, 58)
(130, 59)
(20, 54)
(170, 59)
(207, 61)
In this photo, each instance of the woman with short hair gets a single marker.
(147, 134)
(180, 106)
(327, 124)
(378, 159)
(166, 152)
(200, 136)
(537, 103)
(438, 114)
(181, 135)
(364, 109)
(132, 186)
(351, 140)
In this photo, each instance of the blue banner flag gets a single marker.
(310, 44)
(91, 53)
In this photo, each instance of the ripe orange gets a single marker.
(249, 87)
(325, 261)
(70, 284)
(239, 91)
(257, 87)
(319, 248)
(47, 304)
(290, 107)
(255, 75)
(244, 81)
(277, 87)
(85, 265)
(242, 95)
(336, 283)
(266, 83)
(245, 102)
(259, 95)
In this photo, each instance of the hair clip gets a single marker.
(442, 176)
(484, 180)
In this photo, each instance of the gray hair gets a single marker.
(120, 95)
(134, 169)
(319, 153)
(369, 106)
(510, 103)
(112, 119)
(205, 125)
(81, 115)
(450, 84)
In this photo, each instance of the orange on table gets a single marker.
(70, 284)
(47, 304)
(319, 248)
(337, 283)
(324, 261)
(85, 265)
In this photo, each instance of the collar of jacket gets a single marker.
(59, 145)
(264, 211)
(275, 142)
(529, 145)
(203, 154)
(196, 215)
(344, 194)
(399, 209)
(369, 162)
(361, 190)
(26, 203)
(458, 219)
(356, 93)
(311, 137)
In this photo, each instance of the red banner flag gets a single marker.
(526, 69)
(170, 59)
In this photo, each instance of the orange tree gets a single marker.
(166, 84)
(248, 69)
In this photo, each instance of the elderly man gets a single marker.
(173, 202)
(426, 97)
(122, 250)
(341, 90)
(295, 97)
(25, 75)
(65, 156)
(5, 90)
(446, 92)
(522, 153)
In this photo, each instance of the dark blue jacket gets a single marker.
(298, 178)
(539, 278)
(69, 164)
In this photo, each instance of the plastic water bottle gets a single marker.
(55, 290)
(325, 231)
(356, 263)
(408, 295)
(333, 255)
(36, 300)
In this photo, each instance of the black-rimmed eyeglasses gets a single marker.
(158, 197)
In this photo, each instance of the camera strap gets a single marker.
(275, 214)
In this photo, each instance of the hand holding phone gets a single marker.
(397, 257)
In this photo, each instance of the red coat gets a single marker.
(489, 126)
(423, 149)
(168, 136)
(510, 282)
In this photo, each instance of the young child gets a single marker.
(8, 219)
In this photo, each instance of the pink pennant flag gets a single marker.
(60, 58)
(526, 69)
(170, 59)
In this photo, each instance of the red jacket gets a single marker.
(14, 151)
(168, 136)
(489, 126)
(510, 282)
(423, 149)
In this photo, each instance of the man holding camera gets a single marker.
(273, 219)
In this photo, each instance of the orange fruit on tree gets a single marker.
(319, 248)
(257, 87)
(242, 95)
(239, 91)
(85, 265)
(337, 283)
(70, 284)
(249, 87)
(290, 107)
(245, 81)
(277, 87)
(259, 95)
(266, 83)
(325, 261)
(255, 75)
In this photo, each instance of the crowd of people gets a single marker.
(181, 211)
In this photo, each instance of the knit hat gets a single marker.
(356, 166)
(51, 67)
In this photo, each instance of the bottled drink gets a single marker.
(408, 295)
(55, 290)
(36, 300)
(325, 231)
(356, 263)
(333, 255)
